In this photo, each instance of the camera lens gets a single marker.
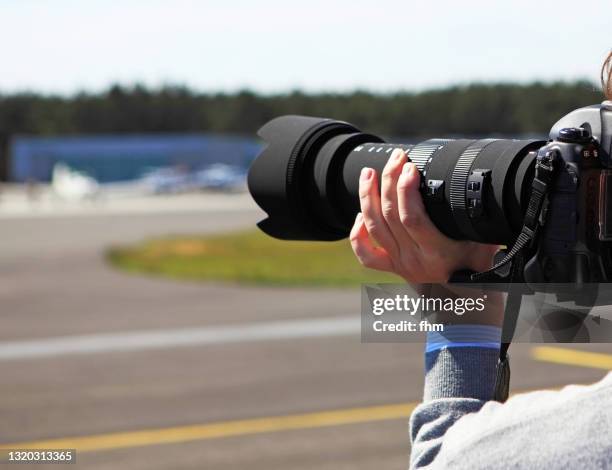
(307, 180)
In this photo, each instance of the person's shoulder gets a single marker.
(546, 399)
(602, 386)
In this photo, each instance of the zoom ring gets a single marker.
(461, 173)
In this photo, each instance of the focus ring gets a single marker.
(421, 154)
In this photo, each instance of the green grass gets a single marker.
(248, 258)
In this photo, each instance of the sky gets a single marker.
(271, 46)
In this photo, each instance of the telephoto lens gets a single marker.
(307, 180)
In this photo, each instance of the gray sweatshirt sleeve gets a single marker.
(459, 426)
(458, 381)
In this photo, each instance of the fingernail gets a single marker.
(366, 174)
(407, 168)
(397, 154)
(358, 218)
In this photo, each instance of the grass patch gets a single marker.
(247, 257)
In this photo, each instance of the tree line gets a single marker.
(475, 110)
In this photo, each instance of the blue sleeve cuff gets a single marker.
(462, 336)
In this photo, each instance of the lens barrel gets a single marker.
(307, 180)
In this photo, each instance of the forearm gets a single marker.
(459, 380)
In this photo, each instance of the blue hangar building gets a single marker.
(111, 158)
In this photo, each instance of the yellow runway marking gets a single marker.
(572, 357)
(221, 429)
(179, 434)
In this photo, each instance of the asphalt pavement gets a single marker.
(140, 372)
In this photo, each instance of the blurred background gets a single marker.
(143, 320)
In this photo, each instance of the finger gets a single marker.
(368, 255)
(389, 200)
(412, 212)
(481, 256)
(372, 213)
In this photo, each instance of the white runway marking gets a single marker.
(153, 339)
(150, 205)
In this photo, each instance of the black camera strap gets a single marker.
(511, 314)
(534, 218)
(539, 189)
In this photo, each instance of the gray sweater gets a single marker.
(459, 426)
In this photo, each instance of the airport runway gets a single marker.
(148, 373)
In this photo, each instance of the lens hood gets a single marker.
(277, 176)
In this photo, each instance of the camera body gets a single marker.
(307, 180)
(575, 240)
